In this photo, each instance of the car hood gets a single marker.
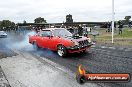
(76, 38)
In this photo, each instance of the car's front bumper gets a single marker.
(77, 49)
(3, 36)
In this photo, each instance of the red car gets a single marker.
(60, 40)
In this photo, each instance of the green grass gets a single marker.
(125, 38)
(103, 37)
(127, 33)
(130, 43)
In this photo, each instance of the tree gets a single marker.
(69, 19)
(7, 24)
(40, 20)
(12, 24)
(24, 22)
(127, 19)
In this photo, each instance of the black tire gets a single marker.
(35, 46)
(61, 51)
(80, 79)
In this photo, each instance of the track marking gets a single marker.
(104, 47)
(112, 48)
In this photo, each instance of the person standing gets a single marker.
(80, 31)
(108, 27)
(129, 24)
(115, 26)
(85, 32)
(120, 28)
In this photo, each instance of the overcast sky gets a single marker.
(56, 10)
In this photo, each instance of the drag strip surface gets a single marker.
(98, 59)
(110, 61)
(4, 50)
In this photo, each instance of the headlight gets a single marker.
(74, 43)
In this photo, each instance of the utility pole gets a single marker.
(113, 19)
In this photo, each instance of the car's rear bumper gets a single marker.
(78, 49)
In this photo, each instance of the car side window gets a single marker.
(45, 33)
(58, 32)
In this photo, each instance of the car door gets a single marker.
(45, 38)
(39, 39)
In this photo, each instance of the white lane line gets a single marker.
(121, 48)
(108, 47)
(129, 49)
(112, 48)
(104, 47)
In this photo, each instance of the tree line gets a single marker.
(7, 24)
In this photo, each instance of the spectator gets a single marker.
(85, 31)
(80, 31)
(130, 23)
(115, 25)
(75, 31)
(71, 30)
(120, 28)
(108, 27)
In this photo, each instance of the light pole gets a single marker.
(113, 18)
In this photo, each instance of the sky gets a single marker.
(55, 11)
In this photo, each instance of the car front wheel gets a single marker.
(61, 50)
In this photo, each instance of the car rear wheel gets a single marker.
(61, 50)
(35, 46)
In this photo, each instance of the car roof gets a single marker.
(52, 29)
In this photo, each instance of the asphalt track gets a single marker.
(98, 59)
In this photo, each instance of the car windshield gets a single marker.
(62, 32)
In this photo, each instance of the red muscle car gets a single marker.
(60, 40)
